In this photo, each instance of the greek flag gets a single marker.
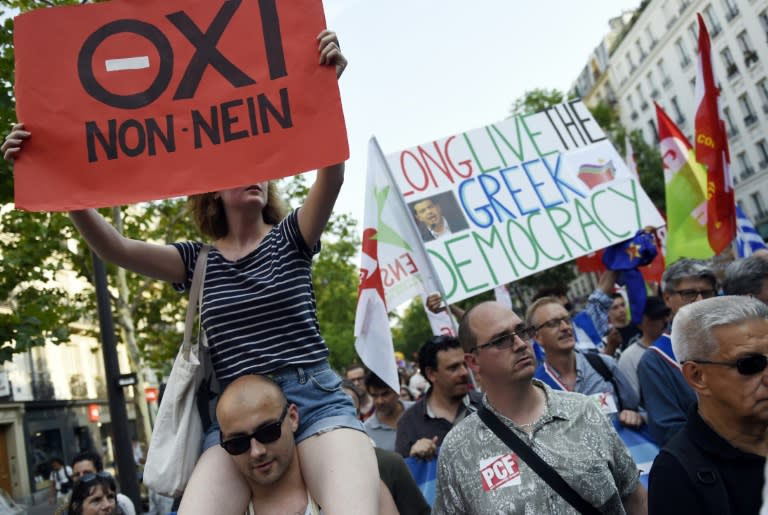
(748, 240)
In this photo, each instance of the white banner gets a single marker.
(499, 203)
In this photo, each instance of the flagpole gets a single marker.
(433, 278)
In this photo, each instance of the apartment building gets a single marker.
(650, 56)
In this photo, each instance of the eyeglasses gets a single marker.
(690, 295)
(746, 366)
(264, 434)
(506, 340)
(555, 323)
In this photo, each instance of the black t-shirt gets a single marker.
(670, 490)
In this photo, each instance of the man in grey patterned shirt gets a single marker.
(478, 473)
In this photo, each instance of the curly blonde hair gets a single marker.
(211, 219)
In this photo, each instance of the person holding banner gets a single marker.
(259, 317)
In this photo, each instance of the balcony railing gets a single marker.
(666, 83)
(750, 119)
(763, 164)
(731, 70)
(732, 13)
(644, 106)
(747, 173)
(685, 62)
(654, 93)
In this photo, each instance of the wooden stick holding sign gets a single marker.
(141, 100)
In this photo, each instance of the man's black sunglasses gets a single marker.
(746, 366)
(264, 434)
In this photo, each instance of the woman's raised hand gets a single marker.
(330, 52)
(12, 145)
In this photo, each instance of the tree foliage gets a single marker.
(536, 100)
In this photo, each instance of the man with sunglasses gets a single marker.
(665, 395)
(257, 425)
(87, 464)
(479, 473)
(714, 465)
(257, 429)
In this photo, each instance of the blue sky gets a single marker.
(423, 69)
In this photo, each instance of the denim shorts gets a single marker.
(316, 390)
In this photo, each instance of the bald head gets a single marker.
(467, 329)
(247, 394)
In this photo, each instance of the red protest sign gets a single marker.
(139, 100)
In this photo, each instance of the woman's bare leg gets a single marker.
(216, 486)
(339, 468)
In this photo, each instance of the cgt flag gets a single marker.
(712, 149)
(685, 181)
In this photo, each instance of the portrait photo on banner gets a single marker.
(438, 215)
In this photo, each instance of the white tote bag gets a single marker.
(178, 433)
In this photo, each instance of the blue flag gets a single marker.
(626, 257)
(748, 240)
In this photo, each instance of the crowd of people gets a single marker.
(522, 411)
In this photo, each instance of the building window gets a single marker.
(731, 69)
(745, 166)
(654, 132)
(651, 38)
(750, 55)
(746, 109)
(641, 97)
(731, 9)
(632, 110)
(762, 90)
(682, 53)
(631, 63)
(763, 17)
(679, 117)
(762, 153)
(757, 202)
(666, 82)
(733, 130)
(712, 24)
(652, 85)
(693, 30)
(640, 50)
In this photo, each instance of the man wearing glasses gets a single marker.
(257, 426)
(479, 473)
(665, 394)
(715, 463)
(565, 368)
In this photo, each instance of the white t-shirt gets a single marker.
(63, 475)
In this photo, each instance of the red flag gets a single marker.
(712, 150)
